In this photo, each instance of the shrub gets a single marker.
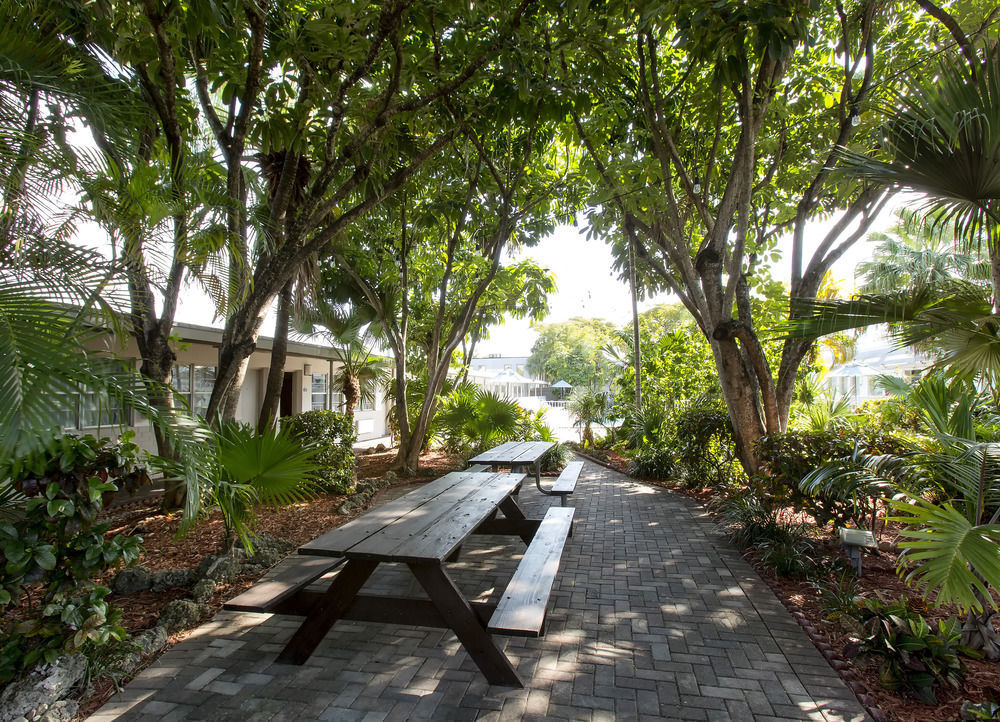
(55, 549)
(786, 459)
(705, 448)
(780, 545)
(556, 459)
(914, 655)
(653, 462)
(333, 433)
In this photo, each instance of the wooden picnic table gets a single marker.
(422, 530)
(517, 455)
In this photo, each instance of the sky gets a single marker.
(587, 285)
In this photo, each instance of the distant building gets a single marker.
(856, 379)
(506, 375)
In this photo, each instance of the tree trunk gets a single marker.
(279, 354)
(738, 392)
(239, 339)
(352, 393)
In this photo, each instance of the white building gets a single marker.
(857, 379)
(309, 369)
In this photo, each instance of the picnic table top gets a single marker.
(518, 452)
(426, 525)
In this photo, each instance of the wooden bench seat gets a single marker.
(288, 577)
(522, 608)
(566, 483)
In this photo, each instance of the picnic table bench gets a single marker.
(421, 530)
(529, 454)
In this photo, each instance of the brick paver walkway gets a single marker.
(653, 616)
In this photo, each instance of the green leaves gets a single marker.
(949, 556)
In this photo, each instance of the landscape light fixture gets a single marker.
(307, 369)
(697, 185)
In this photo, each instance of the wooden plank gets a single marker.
(566, 483)
(337, 541)
(532, 452)
(432, 532)
(289, 576)
(328, 609)
(497, 453)
(522, 609)
(478, 469)
(390, 609)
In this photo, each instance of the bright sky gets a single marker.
(587, 285)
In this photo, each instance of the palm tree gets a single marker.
(590, 407)
(917, 253)
(944, 142)
(362, 372)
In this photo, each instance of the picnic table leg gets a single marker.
(512, 511)
(455, 608)
(330, 607)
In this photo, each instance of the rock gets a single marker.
(222, 568)
(62, 711)
(132, 580)
(268, 550)
(202, 591)
(33, 696)
(181, 614)
(171, 578)
(379, 448)
(142, 645)
(390, 477)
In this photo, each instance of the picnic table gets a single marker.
(423, 530)
(516, 455)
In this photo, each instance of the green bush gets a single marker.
(333, 433)
(914, 655)
(53, 549)
(786, 459)
(781, 546)
(652, 462)
(702, 441)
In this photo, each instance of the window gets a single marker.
(365, 405)
(90, 410)
(319, 392)
(194, 384)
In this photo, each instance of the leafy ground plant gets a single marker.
(914, 655)
(53, 550)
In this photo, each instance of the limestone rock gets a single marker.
(132, 580)
(181, 614)
(33, 696)
(221, 569)
(202, 591)
(62, 711)
(170, 578)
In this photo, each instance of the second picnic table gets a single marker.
(518, 455)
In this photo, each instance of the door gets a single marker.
(285, 405)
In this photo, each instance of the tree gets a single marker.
(915, 254)
(573, 352)
(711, 132)
(943, 141)
(589, 406)
(425, 262)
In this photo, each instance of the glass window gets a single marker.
(337, 400)
(181, 379)
(319, 392)
(99, 410)
(203, 381)
(365, 405)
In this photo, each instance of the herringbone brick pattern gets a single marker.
(654, 616)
